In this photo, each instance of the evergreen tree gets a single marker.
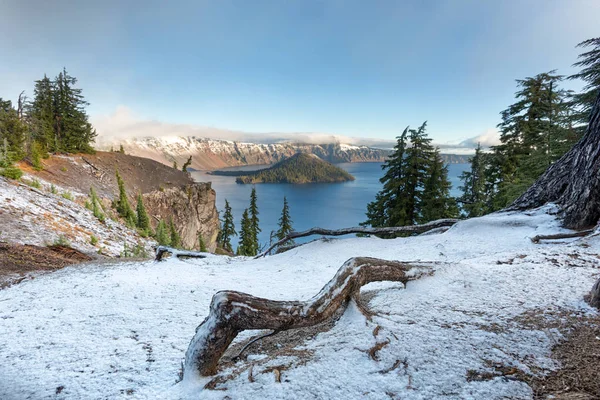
(418, 160)
(474, 200)
(12, 132)
(121, 149)
(122, 204)
(285, 222)
(96, 205)
(254, 228)
(436, 200)
(175, 238)
(187, 164)
(589, 62)
(227, 229)
(143, 221)
(246, 244)
(535, 132)
(41, 116)
(162, 235)
(175, 165)
(201, 243)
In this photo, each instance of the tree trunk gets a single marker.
(232, 312)
(573, 182)
(362, 229)
(594, 296)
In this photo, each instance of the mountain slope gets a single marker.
(299, 168)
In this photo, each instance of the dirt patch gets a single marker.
(17, 262)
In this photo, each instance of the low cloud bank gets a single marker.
(123, 124)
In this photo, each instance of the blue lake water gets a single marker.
(327, 205)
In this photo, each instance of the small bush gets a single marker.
(34, 183)
(93, 240)
(63, 169)
(137, 251)
(11, 172)
(61, 240)
(53, 189)
(67, 195)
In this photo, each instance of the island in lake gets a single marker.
(300, 168)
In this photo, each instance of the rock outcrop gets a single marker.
(192, 208)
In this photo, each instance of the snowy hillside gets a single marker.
(121, 331)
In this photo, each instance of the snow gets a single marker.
(121, 331)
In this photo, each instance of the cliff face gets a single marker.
(209, 154)
(192, 208)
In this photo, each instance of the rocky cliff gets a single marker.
(192, 209)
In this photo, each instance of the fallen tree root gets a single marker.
(162, 250)
(363, 229)
(233, 312)
(536, 239)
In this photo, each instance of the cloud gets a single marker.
(123, 124)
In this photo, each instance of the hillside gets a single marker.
(299, 168)
(169, 194)
(442, 336)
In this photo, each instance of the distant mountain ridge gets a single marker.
(212, 154)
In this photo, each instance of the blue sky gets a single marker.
(352, 68)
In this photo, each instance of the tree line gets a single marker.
(54, 121)
(543, 124)
(249, 230)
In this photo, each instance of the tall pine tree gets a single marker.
(227, 228)
(436, 200)
(474, 199)
(246, 245)
(285, 222)
(589, 62)
(254, 228)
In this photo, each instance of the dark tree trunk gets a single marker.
(232, 312)
(573, 182)
(594, 296)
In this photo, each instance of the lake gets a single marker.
(327, 205)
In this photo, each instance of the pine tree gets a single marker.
(474, 200)
(96, 205)
(122, 204)
(535, 132)
(41, 116)
(12, 131)
(227, 229)
(254, 228)
(246, 243)
(418, 157)
(187, 164)
(436, 200)
(175, 238)
(201, 243)
(143, 221)
(589, 62)
(121, 149)
(285, 222)
(162, 235)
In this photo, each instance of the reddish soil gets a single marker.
(17, 262)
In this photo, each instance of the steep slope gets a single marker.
(169, 194)
(484, 321)
(299, 168)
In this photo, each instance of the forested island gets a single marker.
(300, 168)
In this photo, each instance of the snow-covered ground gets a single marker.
(121, 331)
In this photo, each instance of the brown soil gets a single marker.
(17, 262)
(82, 171)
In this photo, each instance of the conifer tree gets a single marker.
(143, 221)
(95, 205)
(175, 165)
(162, 235)
(187, 164)
(121, 149)
(12, 132)
(175, 238)
(474, 201)
(254, 228)
(436, 201)
(201, 243)
(227, 229)
(589, 62)
(285, 222)
(122, 204)
(41, 116)
(246, 244)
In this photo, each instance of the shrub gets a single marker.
(93, 240)
(34, 183)
(11, 172)
(61, 240)
(67, 195)
(53, 189)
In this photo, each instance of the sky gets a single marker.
(270, 69)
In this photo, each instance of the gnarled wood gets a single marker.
(162, 250)
(363, 229)
(536, 239)
(594, 296)
(573, 182)
(232, 312)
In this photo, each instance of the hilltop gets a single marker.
(300, 168)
